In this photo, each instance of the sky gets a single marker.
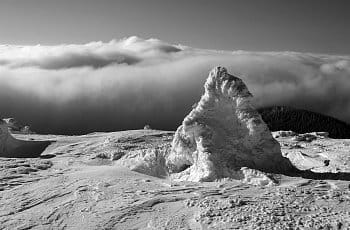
(74, 67)
(318, 26)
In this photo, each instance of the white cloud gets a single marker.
(128, 83)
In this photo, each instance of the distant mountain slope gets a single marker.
(303, 121)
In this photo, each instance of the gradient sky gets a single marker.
(319, 26)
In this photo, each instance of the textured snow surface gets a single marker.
(79, 187)
(222, 134)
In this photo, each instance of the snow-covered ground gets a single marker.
(117, 181)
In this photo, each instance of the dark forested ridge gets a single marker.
(303, 121)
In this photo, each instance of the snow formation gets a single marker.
(222, 134)
(12, 147)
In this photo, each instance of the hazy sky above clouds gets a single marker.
(84, 77)
(125, 84)
(319, 26)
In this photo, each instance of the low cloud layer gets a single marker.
(73, 89)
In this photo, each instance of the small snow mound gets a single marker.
(322, 134)
(149, 161)
(284, 134)
(136, 154)
(308, 137)
(256, 177)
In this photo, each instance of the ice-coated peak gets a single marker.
(221, 83)
(222, 134)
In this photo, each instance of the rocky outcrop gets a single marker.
(14, 148)
(16, 127)
(222, 134)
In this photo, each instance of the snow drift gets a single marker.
(14, 148)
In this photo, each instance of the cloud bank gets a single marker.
(125, 84)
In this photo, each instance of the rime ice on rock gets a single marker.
(222, 134)
(17, 127)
